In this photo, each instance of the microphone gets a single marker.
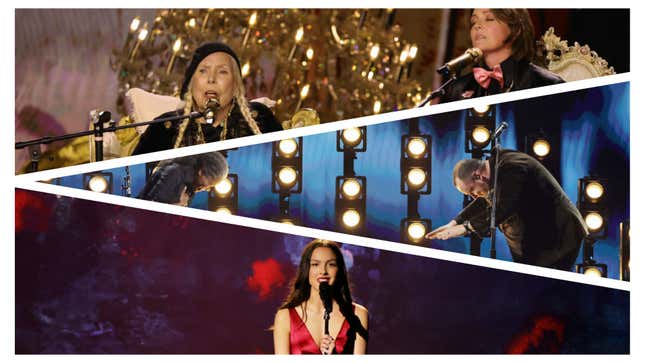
(211, 107)
(470, 56)
(325, 296)
(498, 131)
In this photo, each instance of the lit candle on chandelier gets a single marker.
(298, 38)
(411, 55)
(373, 54)
(175, 49)
(134, 25)
(402, 59)
(206, 18)
(252, 20)
(143, 33)
(303, 94)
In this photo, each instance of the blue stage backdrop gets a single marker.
(589, 131)
(99, 278)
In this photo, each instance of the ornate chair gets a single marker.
(572, 62)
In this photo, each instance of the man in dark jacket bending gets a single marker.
(541, 225)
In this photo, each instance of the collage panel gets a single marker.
(562, 203)
(322, 181)
(86, 93)
(99, 278)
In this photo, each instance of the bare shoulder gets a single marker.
(360, 310)
(282, 317)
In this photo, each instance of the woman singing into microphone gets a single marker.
(299, 324)
(214, 74)
(505, 37)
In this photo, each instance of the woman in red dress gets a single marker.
(299, 323)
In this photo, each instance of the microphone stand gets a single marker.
(439, 91)
(493, 214)
(99, 130)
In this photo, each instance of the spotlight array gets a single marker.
(592, 203)
(415, 164)
(415, 177)
(350, 202)
(286, 162)
(351, 189)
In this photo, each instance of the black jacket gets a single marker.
(541, 225)
(518, 75)
(167, 183)
(161, 136)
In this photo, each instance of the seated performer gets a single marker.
(299, 324)
(541, 225)
(214, 73)
(505, 37)
(176, 181)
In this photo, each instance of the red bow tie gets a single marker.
(483, 76)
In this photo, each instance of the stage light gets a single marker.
(224, 187)
(593, 271)
(592, 268)
(288, 147)
(351, 188)
(287, 176)
(99, 182)
(351, 218)
(351, 136)
(479, 128)
(416, 147)
(541, 148)
(223, 197)
(481, 135)
(416, 231)
(416, 177)
(481, 109)
(594, 190)
(594, 221)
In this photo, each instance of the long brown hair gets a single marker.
(301, 288)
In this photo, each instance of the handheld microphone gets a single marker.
(325, 296)
(211, 107)
(470, 56)
(498, 131)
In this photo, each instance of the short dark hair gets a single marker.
(522, 32)
(464, 169)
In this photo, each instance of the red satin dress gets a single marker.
(301, 341)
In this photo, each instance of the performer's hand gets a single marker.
(433, 234)
(450, 232)
(327, 344)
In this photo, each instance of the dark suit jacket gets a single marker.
(159, 136)
(167, 183)
(518, 75)
(541, 225)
